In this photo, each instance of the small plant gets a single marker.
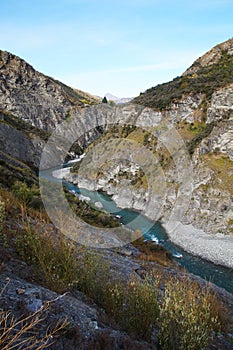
(141, 306)
(134, 304)
(93, 275)
(149, 251)
(2, 214)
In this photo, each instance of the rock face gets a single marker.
(221, 109)
(19, 145)
(35, 100)
(210, 206)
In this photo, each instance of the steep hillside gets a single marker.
(200, 104)
(35, 98)
(212, 71)
(31, 106)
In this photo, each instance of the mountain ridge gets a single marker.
(212, 56)
(197, 79)
(50, 101)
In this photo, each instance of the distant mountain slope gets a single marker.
(118, 100)
(208, 73)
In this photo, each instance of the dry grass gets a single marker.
(223, 169)
(54, 260)
(21, 334)
(188, 131)
(25, 332)
(150, 251)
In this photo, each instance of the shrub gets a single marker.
(55, 260)
(24, 193)
(141, 306)
(133, 304)
(185, 313)
(187, 316)
(205, 81)
(149, 251)
(93, 274)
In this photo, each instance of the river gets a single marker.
(219, 275)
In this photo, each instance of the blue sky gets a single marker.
(123, 46)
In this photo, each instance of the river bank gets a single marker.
(217, 248)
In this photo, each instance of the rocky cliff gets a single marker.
(32, 105)
(35, 98)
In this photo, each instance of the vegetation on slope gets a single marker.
(180, 311)
(205, 81)
(12, 170)
(169, 310)
(76, 96)
(90, 214)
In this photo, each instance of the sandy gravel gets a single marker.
(216, 248)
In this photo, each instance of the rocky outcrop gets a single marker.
(185, 109)
(28, 97)
(37, 99)
(19, 145)
(221, 112)
(85, 327)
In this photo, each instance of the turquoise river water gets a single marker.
(219, 275)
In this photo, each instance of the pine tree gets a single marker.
(105, 100)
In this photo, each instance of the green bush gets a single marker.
(205, 81)
(25, 194)
(2, 214)
(187, 316)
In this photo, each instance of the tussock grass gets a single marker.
(54, 259)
